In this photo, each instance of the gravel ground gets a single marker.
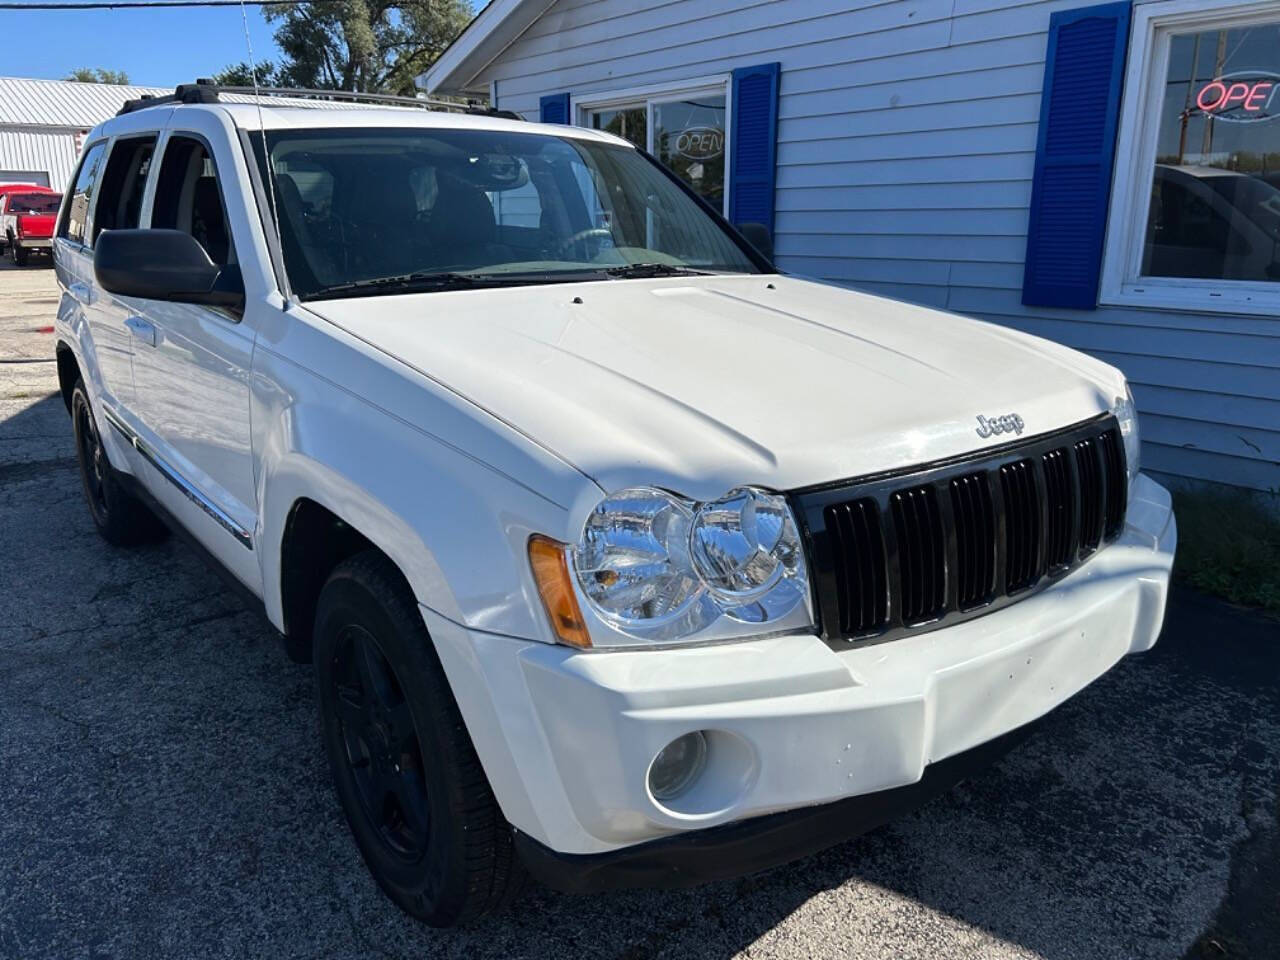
(163, 792)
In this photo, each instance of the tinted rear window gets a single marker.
(34, 202)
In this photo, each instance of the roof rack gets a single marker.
(206, 91)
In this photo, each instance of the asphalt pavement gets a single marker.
(163, 791)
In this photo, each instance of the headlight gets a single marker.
(1127, 417)
(746, 550)
(658, 568)
(632, 563)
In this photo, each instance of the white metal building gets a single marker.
(1103, 174)
(42, 123)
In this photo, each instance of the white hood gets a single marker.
(702, 383)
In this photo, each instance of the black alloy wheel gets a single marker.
(120, 517)
(93, 460)
(405, 770)
(381, 746)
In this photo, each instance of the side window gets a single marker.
(189, 198)
(77, 215)
(123, 181)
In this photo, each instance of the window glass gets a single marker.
(506, 207)
(314, 183)
(688, 136)
(519, 207)
(77, 215)
(629, 123)
(189, 198)
(1215, 196)
(34, 202)
(123, 181)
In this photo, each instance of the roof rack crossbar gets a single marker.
(204, 91)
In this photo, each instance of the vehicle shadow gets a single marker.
(40, 429)
(164, 794)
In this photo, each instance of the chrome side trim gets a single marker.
(190, 492)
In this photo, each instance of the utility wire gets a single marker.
(145, 4)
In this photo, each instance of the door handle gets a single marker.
(144, 331)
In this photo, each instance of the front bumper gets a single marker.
(758, 843)
(566, 737)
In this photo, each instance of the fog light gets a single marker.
(677, 765)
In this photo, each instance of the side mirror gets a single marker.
(757, 234)
(164, 265)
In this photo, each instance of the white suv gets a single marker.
(621, 558)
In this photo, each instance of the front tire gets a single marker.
(404, 768)
(121, 518)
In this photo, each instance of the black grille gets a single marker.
(907, 552)
(1021, 524)
(1116, 479)
(1089, 477)
(1060, 501)
(854, 528)
(975, 520)
(922, 553)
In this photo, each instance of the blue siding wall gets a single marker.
(906, 150)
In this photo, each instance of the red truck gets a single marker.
(27, 215)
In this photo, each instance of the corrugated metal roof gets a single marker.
(63, 103)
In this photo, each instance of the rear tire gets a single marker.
(20, 255)
(121, 518)
(404, 768)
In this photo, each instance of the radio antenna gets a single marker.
(269, 173)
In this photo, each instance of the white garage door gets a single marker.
(24, 176)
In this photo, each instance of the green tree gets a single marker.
(241, 75)
(98, 75)
(370, 46)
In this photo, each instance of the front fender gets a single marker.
(417, 481)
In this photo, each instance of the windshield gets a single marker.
(34, 202)
(384, 210)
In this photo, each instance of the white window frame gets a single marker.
(1122, 283)
(581, 106)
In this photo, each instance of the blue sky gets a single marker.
(160, 48)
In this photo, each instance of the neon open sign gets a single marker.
(700, 143)
(1240, 98)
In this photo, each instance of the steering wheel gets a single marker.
(563, 247)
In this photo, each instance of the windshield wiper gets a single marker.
(639, 271)
(421, 282)
(404, 283)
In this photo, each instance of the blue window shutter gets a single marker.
(1075, 151)
(753, 144)
(555, 108)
